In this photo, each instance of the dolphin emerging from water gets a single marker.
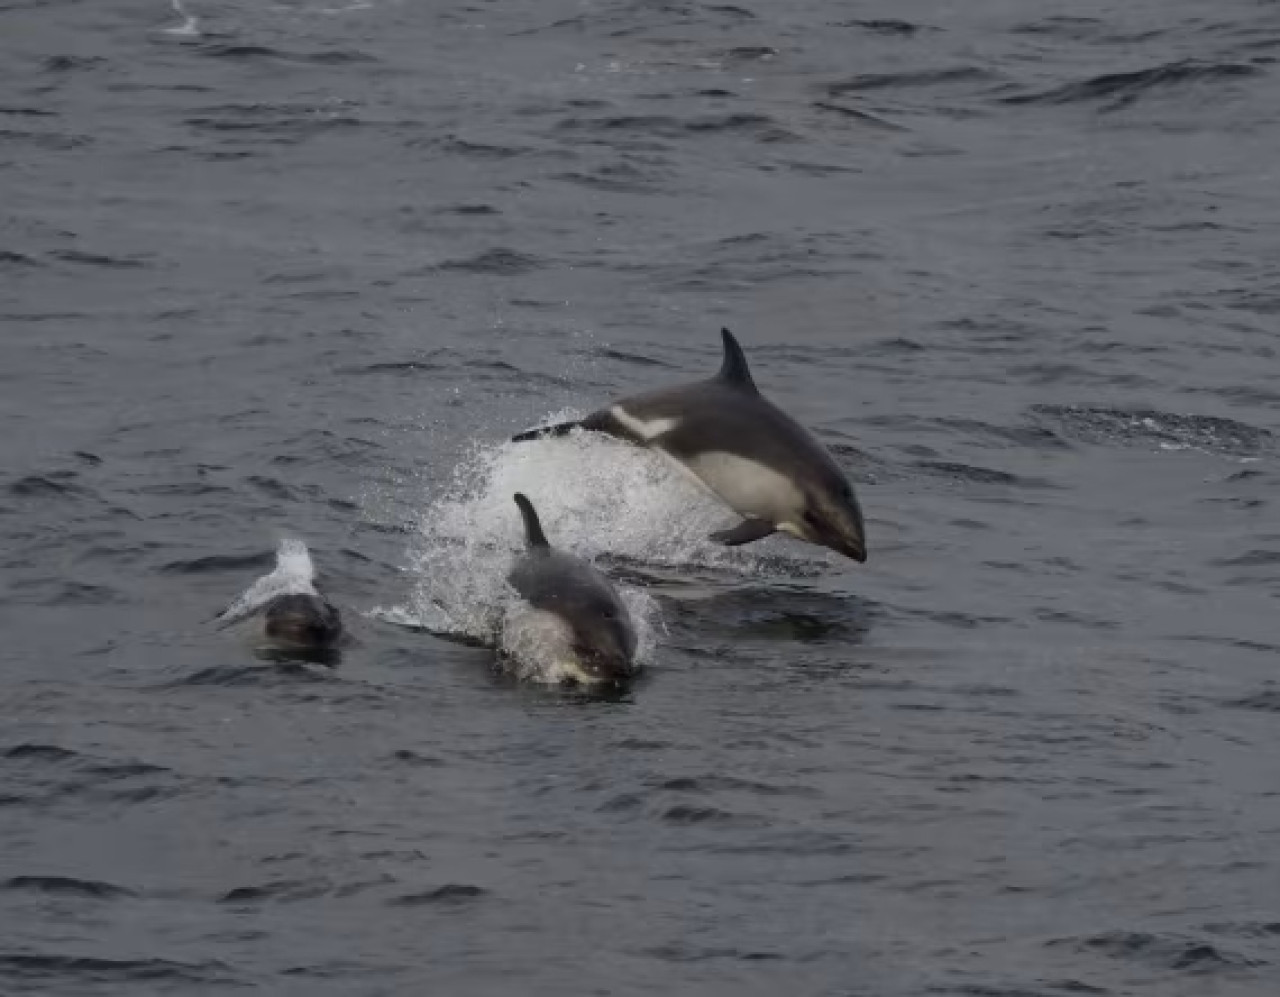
(748, 452)
(588, 632)
(295, 614)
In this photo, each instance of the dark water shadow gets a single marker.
(273, 672)
(783, 614)
(298, 657)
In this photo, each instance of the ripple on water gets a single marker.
(67, 886)
(1148, 427)
(73, 972)
(241, 52)
(448, 895)
(498, 262)
(1116, 91)
(1163, 950)
(278, 891)
(45, 775)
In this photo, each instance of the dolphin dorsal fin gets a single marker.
(533, 534)
(734, 370)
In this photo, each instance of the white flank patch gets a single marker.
(647, 431)
(294, 574)
(748, 487)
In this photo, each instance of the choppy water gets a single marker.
(298, 269)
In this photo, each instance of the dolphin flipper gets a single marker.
(748, 531)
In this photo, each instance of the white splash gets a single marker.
(190, 26)
(293, 574)
(538, 647)
(594, 497)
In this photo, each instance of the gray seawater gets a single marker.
(298, 269)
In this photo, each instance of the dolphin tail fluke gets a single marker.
(546, 432)
(532, 527)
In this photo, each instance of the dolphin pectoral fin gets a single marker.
(748, 531)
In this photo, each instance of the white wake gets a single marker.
(595, 497)
(294, 574)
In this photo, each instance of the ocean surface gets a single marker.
(299, 269)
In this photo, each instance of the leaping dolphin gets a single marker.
(748, 452)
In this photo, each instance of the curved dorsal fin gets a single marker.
(533, 534)
(734, 370)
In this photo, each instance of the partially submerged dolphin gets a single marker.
(295, 614)
(748, 452)
(587, 631)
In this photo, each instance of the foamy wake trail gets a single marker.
(293, 574)
(594, 497)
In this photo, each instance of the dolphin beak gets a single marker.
(607, 669)
(615, 672)
(850, 541)
(856, 549)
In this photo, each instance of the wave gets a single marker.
(1123, 89)
(450, 893)
(500, 262)
(330, 57)
(1165, 429)
(67, 886)
(1165, 950)
(920, 78)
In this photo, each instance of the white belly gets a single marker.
(750, 489)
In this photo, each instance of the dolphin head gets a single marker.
(604, 642)
(832, 518)
(598, 637)
(302, 620)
